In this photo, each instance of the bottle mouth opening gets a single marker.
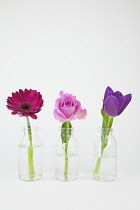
(105, 129)
(64, 129)
(33, 127)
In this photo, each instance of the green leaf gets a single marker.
(107, 120)
(66, 131)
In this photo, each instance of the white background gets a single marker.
(80, 47)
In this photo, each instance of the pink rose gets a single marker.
(67, 108)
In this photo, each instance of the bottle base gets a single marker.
(104, 178)
(30, 178)
(66, 179)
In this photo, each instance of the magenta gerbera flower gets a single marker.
(25, 103)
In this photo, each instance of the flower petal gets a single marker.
(124, 101)
(77, 107)
(108, 92)
(67, 111)
(34, 99)
(21, 92)
(58, 116)
(14, 113)
(33, 116)
(71, 98)
(57, 104)
(16, 99)
(117, 94)
(61, 93)
(111, 106)
(19, 96)
(82, 114)
(10, 101)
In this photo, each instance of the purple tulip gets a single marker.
(114, 103)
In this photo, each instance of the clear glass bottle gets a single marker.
(30, 157)
(67, 163)
(105, 157)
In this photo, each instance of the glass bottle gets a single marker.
(67, 163)
(30, 157)
(105, 156)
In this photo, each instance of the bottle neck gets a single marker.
(31, 136)
(33, 129)
(105, 130)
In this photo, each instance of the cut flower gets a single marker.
(25, 103)
(114, 103)
(67, 108)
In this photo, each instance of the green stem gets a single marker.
(30, 151)
(66, 152)
(98, 164)
(106, 126)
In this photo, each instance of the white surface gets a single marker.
(83, 194)
(81, 47)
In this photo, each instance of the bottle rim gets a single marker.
(105, 129)
(64, 129)
(33, 127)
